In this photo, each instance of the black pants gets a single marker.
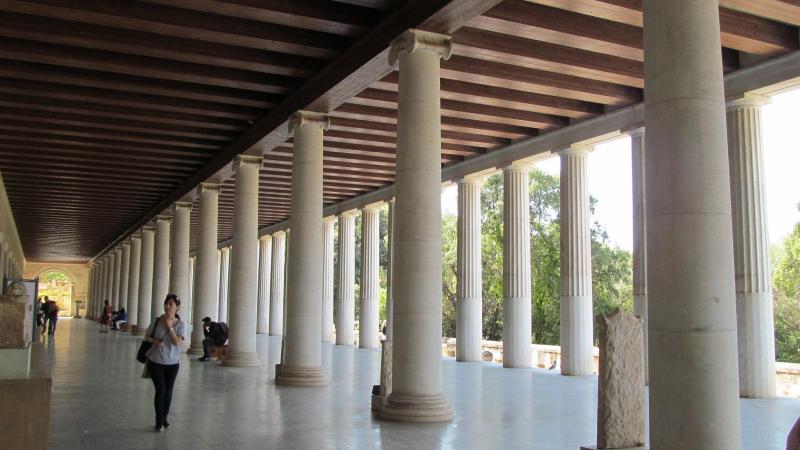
(207, 344)
(52, 328)
(163, 377)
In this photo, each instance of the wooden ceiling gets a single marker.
(112, 109)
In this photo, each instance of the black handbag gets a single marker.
(144, 347)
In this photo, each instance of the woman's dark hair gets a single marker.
(174, 298)
(106, 302)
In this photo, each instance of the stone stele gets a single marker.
(16, 318)
(620, 400)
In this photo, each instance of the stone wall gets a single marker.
(788, 375)
(8, 228)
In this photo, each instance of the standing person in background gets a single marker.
(45, 313)
(105, 318)
(40, 312)
(163, 359)
(52, 317)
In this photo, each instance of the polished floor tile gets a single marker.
(100, 402)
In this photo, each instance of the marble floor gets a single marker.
(100, 402)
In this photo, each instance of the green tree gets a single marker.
(786, 282)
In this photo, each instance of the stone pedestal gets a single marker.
(26, 406)
(385, 388)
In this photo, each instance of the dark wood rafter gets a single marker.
(112, 111)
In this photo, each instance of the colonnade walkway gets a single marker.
(100, 402)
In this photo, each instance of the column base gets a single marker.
(136, 330)
(125, 327)
(241, 359)
(417, 408)
(195, 349)
(299, 377)
(378, 402)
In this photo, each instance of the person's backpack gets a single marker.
(219, 333)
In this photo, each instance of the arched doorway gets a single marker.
(57, 285)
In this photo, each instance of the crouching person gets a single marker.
(216, 335)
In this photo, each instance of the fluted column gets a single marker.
(124, 274)
(639, 238)
(277, 279)
(179, 258)
(224, 283)
(390, 271)
(754, 315)
(302, 359)
(577, 338)
(190, 295)
(206, 288)
(469, 278)
(345, 306)
(117, 255)
(102, 286)
(516, 268)
(264, 272)
(146, 280)
(327, 279)
(160, 265)
(110, 279)
(133, 282)
(694, 387)
(243, 304)
(370, 281)
(417, 347)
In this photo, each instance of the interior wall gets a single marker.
(8, 227)
(79, 273)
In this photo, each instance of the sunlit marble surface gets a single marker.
(100, 402)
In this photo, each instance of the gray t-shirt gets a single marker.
(168, 353)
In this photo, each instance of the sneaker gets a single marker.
(159, 427)
(204, 358)
(165, 423)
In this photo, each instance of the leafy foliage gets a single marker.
(786, 282)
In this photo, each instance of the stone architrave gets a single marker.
(621, 422)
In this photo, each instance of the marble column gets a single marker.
(2, 262)
(101, 287)
(417, 347)
(390, 271)
(516, 268)
(469, 281)
(179, 257)
(639, 253)
(328, 334)
(146, 280)
(370, 278)
(286, 276)
(277, 283)
(754, 315)
(243, 304)
(206, 288)
(302, 359)
(189, 311)
(113, 276)
(160, 265)
(109, 279)
(224, 283)
(577, 324)
(133, 282)
(264, 269)
(694, 383)
(124, 273)
(345, 306)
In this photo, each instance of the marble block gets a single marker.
(620, 403)
(16, 318)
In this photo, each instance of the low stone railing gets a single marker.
(544, 357)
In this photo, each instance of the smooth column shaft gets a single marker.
(469, 277)
(116, 279)
(516, 268)
(133, 282)
(417, 346)
(754, 314)
(206, 271)
(328, 334)
(694, 383)
(146, 279)
(370, 266)
(110, 279)
(179, 270)
(160, 266)
(345, 307)
(639, 253)
(243, 301)
(577, 357)
(124, 274)
(264, 274)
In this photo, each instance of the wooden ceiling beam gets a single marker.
(55, 171)
(781, 11)
(170, 21)
(97, 162)
(81, 183)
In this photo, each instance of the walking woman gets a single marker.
(105, 318)
(166, 334)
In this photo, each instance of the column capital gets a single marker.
(747, 100)
(373, 206)
(576, 149)
(473, 179)
(279, 234)
(413, 40)
(149, 228)
(266, 237)
(349, 213)
(203, 187)
(177, 205)
(301, 118)
(634, 132)
(241, 160)
(329, 219)
(161, 217)
(519, 166)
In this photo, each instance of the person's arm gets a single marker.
(172, 335)
(149, 332)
